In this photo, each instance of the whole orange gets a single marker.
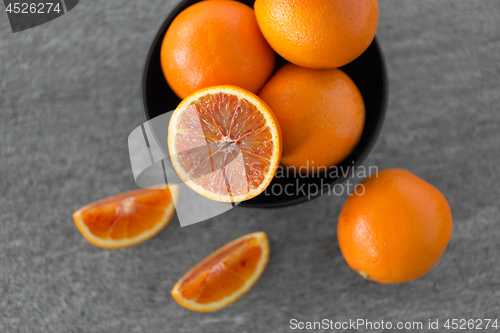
(318, 33)
(321, 114)
(215, 43)
(395, 228)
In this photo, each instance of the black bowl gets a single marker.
(368, 72)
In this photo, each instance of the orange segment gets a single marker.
(127, 219)
(225, 143)
(225, 276)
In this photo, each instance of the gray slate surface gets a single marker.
(70, 95)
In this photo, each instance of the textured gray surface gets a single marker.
(70, 97)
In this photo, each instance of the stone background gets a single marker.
(70, 95)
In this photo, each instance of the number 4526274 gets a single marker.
(476, 324)
(33, 8)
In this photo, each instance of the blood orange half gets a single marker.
(225, 143)
(224, 276)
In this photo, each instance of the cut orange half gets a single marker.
(225, 143)
(224, 276)
(127, 219)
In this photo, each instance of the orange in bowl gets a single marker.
(225, 143)
(318, 33)
(215, 43)
(321, 114)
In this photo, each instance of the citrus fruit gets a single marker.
(318, 33)
(127, 219)
(214, 43)
(396, 230)
(224, 276)
(321, 114)
(224, 143)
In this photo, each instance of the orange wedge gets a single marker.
(224, 276)
(127, 219)
(225, 143)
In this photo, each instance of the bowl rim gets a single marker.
(364, 154)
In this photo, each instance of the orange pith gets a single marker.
(126, 219)
(224, 276)
(207, 133)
